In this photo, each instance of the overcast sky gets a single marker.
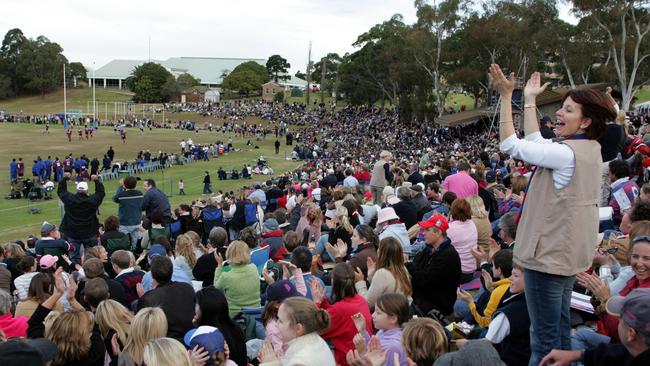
(100, 31)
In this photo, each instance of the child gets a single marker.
(391, 312)
(181, 187)
(211, 340)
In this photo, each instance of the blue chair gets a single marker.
(259, 257)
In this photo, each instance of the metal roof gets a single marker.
(208, 69)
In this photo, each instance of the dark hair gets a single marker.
(394, 304)
(121, 259)
(26, 263)
(162, 240)
(281, 215)
(130, 182)
(218, 237)
(461, 210)
(249, 236)
(112, 223)
(302, 257)
(463, 165)
(594, 105)
(343, 281)
(157, 217)
(40, 288)
(503, 260)
(185, 207)
(96, 291)
(366, 232)
(619, 168)
(161, 269)
(449, 197)
(641, 211)
(150, 182)
(291, 241)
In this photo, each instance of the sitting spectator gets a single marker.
(176, 299)
(40, 289)
(212, 310)
(513, 199)
(238, 278)
(212, 341)
(405, 208)
(277, 292)
(364, 248)
(166, 352)
(272, 236)
(435, 271)
(624, 190)
(147, 324)
(11, 326)
(389, 225)
(339, 227)
(185, 259)
(304, 324)
(464, 237)
(388, 275)
(163, 249)
(424, 340)
(207, 263)
(481, 221)
(302, 258)
(27, 266)
(188, 221)
(157, 229)
(113, 319)
(113, 239)
(127, 275)
(309, 223)
(94, 268)
(347, 303)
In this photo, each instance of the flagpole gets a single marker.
(94, 101)
(65, 101)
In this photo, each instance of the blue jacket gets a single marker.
(130, 210)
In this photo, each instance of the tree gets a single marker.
(243, 82)
(301, 75)
(625, 25)
(332, 62)
(12, 46)
(154, 77)
(40, 66)
(171, 88)
(76, 71)
(279, 97)
(276, 65)
(186, 81)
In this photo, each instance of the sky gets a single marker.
(96, 32)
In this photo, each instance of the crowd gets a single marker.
(388, 246)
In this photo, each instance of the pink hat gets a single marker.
(386, 214)
(48, 261)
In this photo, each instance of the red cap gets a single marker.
(367, 195)
(643, 149)
(437, 221)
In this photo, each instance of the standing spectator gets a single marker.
(566, 185)
(51, 242)
(381, 175)
(206, 183)
(80, 223)
(130, 202)
(155, 199)
(461, 183)
(464, 237)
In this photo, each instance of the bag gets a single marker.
(250, 213)
(211, 218)
(247, 324)
(154, 233)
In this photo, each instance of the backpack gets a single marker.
(250, 213)
(154, 233)
(211, 218)
(246, 323)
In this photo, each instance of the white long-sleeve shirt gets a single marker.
(536, 150)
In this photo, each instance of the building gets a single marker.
(270, 89)
(210, 70)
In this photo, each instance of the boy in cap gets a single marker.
(51, 242)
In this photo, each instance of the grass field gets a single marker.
(77, 99)
(28, 141)
(643, 95)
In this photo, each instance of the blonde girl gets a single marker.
(147, 324)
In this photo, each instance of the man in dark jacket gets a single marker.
(176, 299)
(422, 204)
(155, 199)
(405, 208)
(633, 331)
(130, 210)
(435, 270)
(207, 184)
(80, 223)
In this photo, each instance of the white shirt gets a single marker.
(499, 329)
(536, 150)
(350, 181)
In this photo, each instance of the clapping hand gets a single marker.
(593, 283)
(533, 87)
(267, 354)
(487, 280)
(59, 283)
(317, 292)
(505, 86)
(359, 322)
(464, 296)
(358, 275)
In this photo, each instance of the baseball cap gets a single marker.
(47, 228)
(155, 250)
(280, 290)
(47, 261)
(633, 309)
(367, 195)
(437, 221)
(37, 351)
(271, 224)
(210, 338)
(82, 186)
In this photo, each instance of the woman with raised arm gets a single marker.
(558, 227)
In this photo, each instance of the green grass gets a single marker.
(28, 141)
(457, 100)
(643, 95)
(80, 98)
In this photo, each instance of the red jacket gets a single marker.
(610, 322)
(342, 329)
(275, 241)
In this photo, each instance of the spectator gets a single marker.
(272, 236)
(51, 242)
(10, 325)
(113, 239)
(302, 258)
(130, 202)
(155, 200)
(624, 190)
(481, 221)
(435, 271)
(347, 303)
(405, 208)
(40, 289)
(185, 259)
(127, 276)
(461, 183)
(113, 319)
(308, 228)
(27, 266)
(207, 263)
(364, 249)
(147, 324)
(238, 278)
(166, 352)
(94, 268)
(80, 223)
(389, 225)
(176, 299)
(424, 340)
(464, 237)
(381, 175)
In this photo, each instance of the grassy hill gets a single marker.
(80, 98)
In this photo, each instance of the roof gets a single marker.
(207, 69)
(461, 118)
(294, 81)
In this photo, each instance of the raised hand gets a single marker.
(359, 322)
(505, 86)
(533, 87)
(359, 343)
(358, 275)
(372, 266)
(487, 279)
(267, 354)
(199, 356)
(317, 292)
(464, 296)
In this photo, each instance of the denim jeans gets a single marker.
(75, 256)
(585, 338)
(319, 248)
(548, 298)
(134, 233)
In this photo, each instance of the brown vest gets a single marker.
(378, 178)
(558, 231)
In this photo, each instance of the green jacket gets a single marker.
(241, 283)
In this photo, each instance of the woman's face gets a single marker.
(356, 238)
(287, 331)
(640, 260)
(570, 119)
(516, 281)
(103, 254)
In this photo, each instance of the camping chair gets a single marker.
(259, 257)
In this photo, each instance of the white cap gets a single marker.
(82, 186)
